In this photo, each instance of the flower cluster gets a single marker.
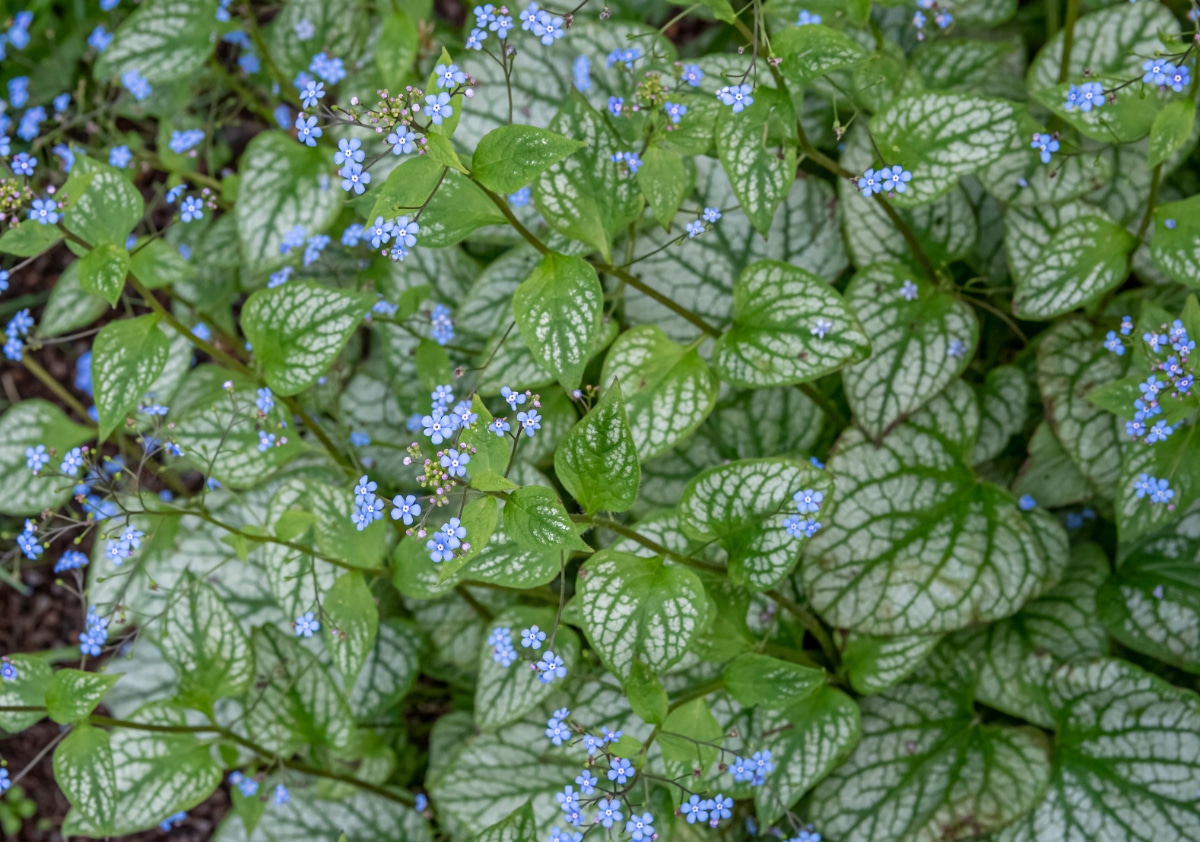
(15, 331)
(804, 523)
(120, 545)
(894, 179)
(941, 17)
(28, 541)
(95, 633)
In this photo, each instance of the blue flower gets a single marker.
(8, 672)
(674, 111)
(305, 625)
(615, 104)
(403, 141)
(175, 819)
(313, 93)
(529, 17)
(100, 39)
(349, 149)
(737, 96)
(808, 500)
(354, 178)
(332, 70)
(439, 548)
(550, 667)
(1162, 492)
(592, 744)
(454, 532)
(380, 232)
(438, 107)
(181, 142)
(821, 327)
(693, 810)
(632, 161)
(422, 801)
(548, 27)
(1087, 96)
(607, 813)
(281, 277)
(500, 25)
(448, 75)
(476, 38)
(352, 235)
(807, 18)
(956, 348)
(1155, 71)
(1135, 428)
(307, 130)
(1151, 387)
(304, 30)
(119, 157)
(136, 85)
(870, 182)
(441, 324)
(1113, 343)
(1046, 144)
(405, 508)
(1178, 78)
(557, 835)
(556, 732)
(519, 199)
(621, 770)
(532, 637)
(895, 179)
(582, 69)
(721, 808)
(568, 799)
(44, 211)
(499, 427)
(192, 208)
(530, 422)
(587, 782)
(455, 463)
(692, 74)
(24, 164)
(641, 827)
(1026, 503)
(36, 458)
(281, 796)
(1159, 431)
(694, 229)
(484, 14)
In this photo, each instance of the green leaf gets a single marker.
(722, 10)
(296, 703)
(917, 545)
(961, 64)
(1172, 129)
(102, 271)
(757, 149)
(597, 461)
(665, 182)
(668, 389)
(30, 239)
(518, 827)
(1049, 475)
(558, 310)
(585, 196)
(1152, 602)
(911, 342)
(489, 452)
(510, 157)
(350, 622)
(1062, 258)
(361, 817)
(874, 663)
(28, 424)
(479, 518)
(681, 736)
(741, 505)
(163, 40)
(1177, 460)
(940, 137)
(1175, 250)
(339, 28)
(457, 208)
(396, 52)
(283, 184)
(536, 520)
(928, 768)
(74, 694)
(440, 150)
(128, 356)
(84, 771)
(809, 52)
(769, 682)
(157, 264)
(647, 695)
(28, 689)
(807, 741)
(298, 329)
(204, 642)
(1125, 758)
(504, 694)
(1003, 408)
(778, 338)
(105, 206)
(638, 609)
(389, 672)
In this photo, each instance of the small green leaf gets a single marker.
(769, 682)
(646, 694)
(1171, 130)
(789, 326)
(809, 52)
(682, 736)
(639, 609)
(157, 264)
(558, 310)
(203, 640)
(74, 694)
(597, 461)
(536, 520)
(1174, 248)
(454, 206)
(297, 329)
(84, 770)
(439, 149)
(29, 239)
(102, 271)
(104, 206)
(510, 157)
(669, 389)
(665, 181)
(127, 357)
(350, 622)
(479, 518)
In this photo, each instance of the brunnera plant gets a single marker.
(733, 420)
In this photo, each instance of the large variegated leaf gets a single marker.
(297, 329)
(699, 275)
(928, 768)
(917, 545)
(163, 41)
(1012, 658)
(1126, 759)
(917, 346)
(1003, 408)
(504, 694)
(350, 623)
(669, 390)
(742, 506)
(558, 309)
(789, 326)
(127, 357)
(992, 67)
(810, 52)
(1063, 257)
(70, 306)
(597, 461)
(206, 645)
(1071, 362)
(363, 817)
(26, 425)
(806, 742)
(757, 148)
(639, 610)
(389, 671)
(875, 663)
(1176, 249)
(1110, 42)
(1152, 602)
(284, 184)
(519, 826)
(27, 689)
(586, 196)
(335, 26)
(294, 702)
(946, 227)
(940, 137)
(1176, 460)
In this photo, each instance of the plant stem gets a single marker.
(637, 537)
(650, 292)
(1064, 67)
(811, 624)
(827, 407)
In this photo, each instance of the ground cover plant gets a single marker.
(705, 422)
